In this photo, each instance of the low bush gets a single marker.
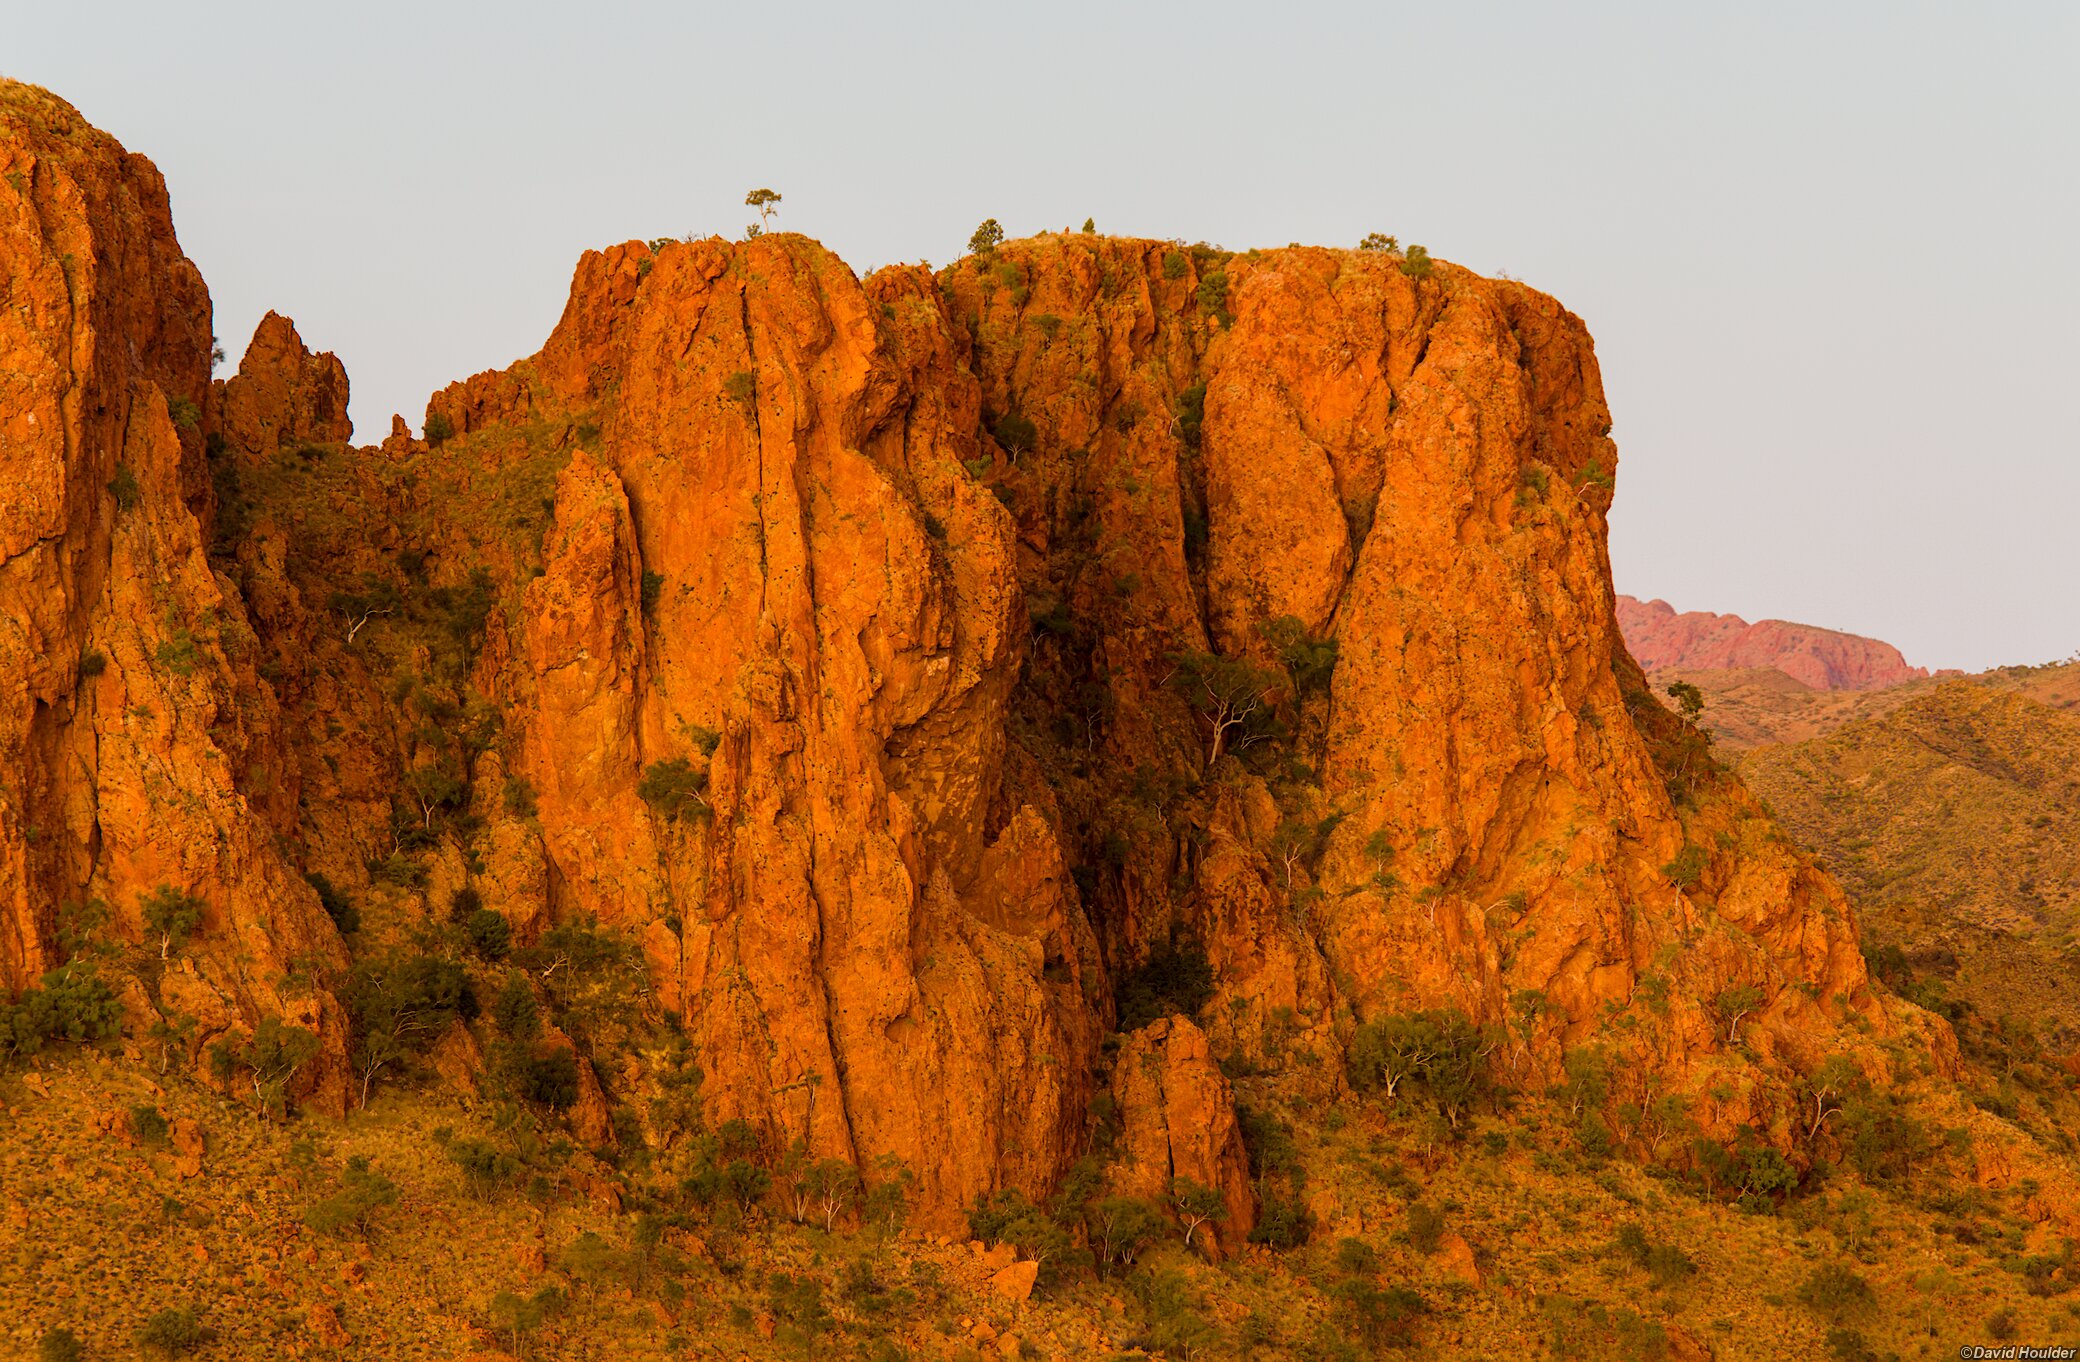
(124, 488)
(489, 935)
(1175, 980)
(71, 1004)
(1835, 1292)
(550, 1080)
(362, 1192)
(175, 1332)
(60, 1345)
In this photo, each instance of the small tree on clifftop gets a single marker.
(765, 201)
(987, 237)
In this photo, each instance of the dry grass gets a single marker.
(90, 1241)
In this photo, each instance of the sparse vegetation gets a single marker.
(1233, 695)
(170, 914)
(124, 487)
(674, 789)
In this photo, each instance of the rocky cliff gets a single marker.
(141, 744)
(909, 680)
(1698, 640)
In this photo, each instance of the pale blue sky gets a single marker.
(1830, 252)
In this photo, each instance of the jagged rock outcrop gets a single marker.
(866, 957)
(1698, 640)
(139, 743)
(834, 643)
(283, 397)
(1177, 1116)
(1418, 467)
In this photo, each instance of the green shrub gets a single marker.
(174, 1332)
(1592, 1332)
(1849, 1345)
(1176, 264)
(518, 797)
(987, 237)
(124, 488)
(399, 1004)
(1190, 411)
(148, 1125)
(1173, 1316)
(270, 1059)
(1122, 1227)
(674, 789)
(1283, 1222)
(185, 413)
(522, 1315)
(92, 663)
(1310, 661)
(1881, 1139)
(484, 1165)
(179, 651)
(60, 1345)
(652, 590)
(1667, 1264)
(1425, 1227)
(345, 916)
(1007, 1217)
(439, 429)
(1835, 1292)
(71, 1004)
(515, 1009)
(1356, 1257)
(1378, 241)
(1440, 1049)
(1015, 433)
(742, 389)
(1687, 869)
(490, 936)
(1175, 980)
(1381, 1316)
(550, 1080)
(1415, 263)
(464, 903)
(1233, 695)
(400, 870)
(362, 1192)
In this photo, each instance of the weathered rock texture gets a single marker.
(822, 639)
(1698, 640)
(1178, 1122)
(139, 743)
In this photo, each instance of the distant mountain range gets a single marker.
(1663, 639)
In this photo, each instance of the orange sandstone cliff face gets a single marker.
(901, 585)
(139, 744)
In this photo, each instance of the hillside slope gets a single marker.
(1954, 821)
